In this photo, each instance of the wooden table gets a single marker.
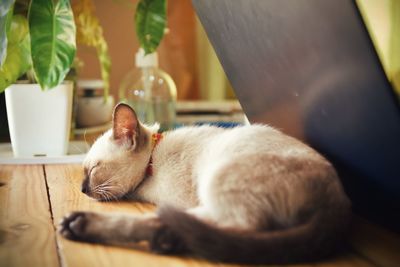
(33, 199)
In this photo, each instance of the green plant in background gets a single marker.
(90, 33)
(44, 50)
(150, 22)
(5, 7)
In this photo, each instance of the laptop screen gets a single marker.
(308, 68)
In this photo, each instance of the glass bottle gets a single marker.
(150, 91)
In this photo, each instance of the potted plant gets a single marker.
(37, 43)
(92, 110)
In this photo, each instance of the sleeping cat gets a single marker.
(247, 195)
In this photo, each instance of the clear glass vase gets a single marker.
(150, 91)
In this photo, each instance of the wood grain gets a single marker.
(26, 232)
(64, 188)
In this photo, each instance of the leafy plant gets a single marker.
(150, 22)
(5, 8)
(46, 48)
(90, 33)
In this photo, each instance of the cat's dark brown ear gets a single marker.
(125, 124)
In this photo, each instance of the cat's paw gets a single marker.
(75, 226)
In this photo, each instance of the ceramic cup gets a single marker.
(94, 111)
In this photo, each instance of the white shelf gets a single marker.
(76, 153)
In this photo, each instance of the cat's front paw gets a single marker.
(75, 226)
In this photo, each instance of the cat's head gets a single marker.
(117, 161)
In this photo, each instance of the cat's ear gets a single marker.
(125, 124)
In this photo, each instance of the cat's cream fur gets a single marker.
(252, 185)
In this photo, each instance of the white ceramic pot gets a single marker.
(39, 121)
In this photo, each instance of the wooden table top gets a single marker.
(34, 198)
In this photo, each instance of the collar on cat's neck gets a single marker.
(155, 139)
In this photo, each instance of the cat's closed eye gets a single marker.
(90, 170)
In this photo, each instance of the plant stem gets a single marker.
(31, 76)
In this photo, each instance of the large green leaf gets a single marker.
(150, 20)
(5, 15)
(18, 59)
(53, 47)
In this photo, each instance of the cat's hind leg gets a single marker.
(237, 194)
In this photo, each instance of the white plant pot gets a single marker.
(39, 121)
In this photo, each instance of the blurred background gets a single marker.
(188, 57)
(186, 54)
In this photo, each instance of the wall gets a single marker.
(383, 21)
(177, 51)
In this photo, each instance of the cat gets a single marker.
(249, 194)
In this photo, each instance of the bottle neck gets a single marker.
(148, 71)
(148, 74)
(148, 67)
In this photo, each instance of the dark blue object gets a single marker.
(222, 124)
(308, 67)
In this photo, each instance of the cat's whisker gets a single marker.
(84, 138)
(102, 188)
(97, 187)
(109, 196)
(106, 182)
(103, 194)
(106, 196)
(114, 191)
(109, 192)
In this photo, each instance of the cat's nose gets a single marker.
(85, 186)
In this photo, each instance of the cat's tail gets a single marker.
(310, 241)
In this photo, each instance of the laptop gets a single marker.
(309, 68)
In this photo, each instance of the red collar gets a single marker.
(155, 139)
